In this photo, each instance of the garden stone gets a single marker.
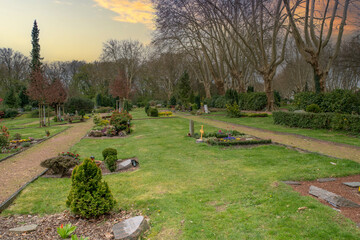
(332, 198)
(352, 184)
(292, 183)
(26, 228)
(322, 180)
(123, 165)
(130, 228)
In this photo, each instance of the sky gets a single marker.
(73, 29)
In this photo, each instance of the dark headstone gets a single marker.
(322, 180)
(292, 183)
(191, 128)
(352, 184)
(332, 198)
(130, 228)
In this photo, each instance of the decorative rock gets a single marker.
(332, 198)
(131, 228)
(292, 183)
(352, 184)
(124, 165)
(26, 228)
(322, 180)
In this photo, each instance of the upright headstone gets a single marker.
(191, 128)
(206, 109)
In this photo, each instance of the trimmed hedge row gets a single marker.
(338, 101)
(237, 143)
(332, 121)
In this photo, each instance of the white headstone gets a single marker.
(206, 109)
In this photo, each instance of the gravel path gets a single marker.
(294, 140)
(20, 169)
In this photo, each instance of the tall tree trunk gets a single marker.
(268, 83)
(40, 117)
(220, 86)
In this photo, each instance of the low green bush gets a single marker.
(220, 102)
(314, 108)
(153, 112)
(255, 101)
(109, 152)
(237, 143)
(89, 197)
(121, 121)
(110, 162)
(104, 109)
(256, 115)
(60, 164)
(331, 121)
(233, 110)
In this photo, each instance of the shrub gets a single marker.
(153, 112)
(60, 164)
(233, 110)
(103, 123)
(194, 106)
(121, 121)
(17, 136)
(10, 113)
(167, 114)
(4, 137)
(314, 108)
(232, 96)
(147, 107)
(334, 121)
(25, 144)
(78, 104)
(109, 152)
(89, 196)
(104, 109)
(110, 162)
(173, 101)
(256, 115)
(220, 102)
(255, 101)
(97, 119)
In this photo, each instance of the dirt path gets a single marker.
(310, 144)
(20, 169)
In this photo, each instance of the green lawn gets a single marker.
(268, 124)
(196, 191)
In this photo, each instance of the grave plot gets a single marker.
(342, 194)
(225, 138)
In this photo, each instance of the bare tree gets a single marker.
(312, 29)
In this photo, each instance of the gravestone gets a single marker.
(26, 228)
(191, 128)
(206, 109)
(130, 228)
(332, 198)
(124, 165)
(352, 184)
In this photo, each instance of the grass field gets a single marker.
(268, 124)
(196, 191)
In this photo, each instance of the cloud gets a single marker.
(130, 11)
(62, 2)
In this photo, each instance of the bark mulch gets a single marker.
(95, 229)
(339, 188)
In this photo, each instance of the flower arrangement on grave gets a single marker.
(21, 141)
(4, 137)
(70, 154)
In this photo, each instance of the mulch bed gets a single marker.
(340, 189)
(95, 229)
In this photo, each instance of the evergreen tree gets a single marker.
(35, 52)
(24, 99)
(184, 87)
(11, 99)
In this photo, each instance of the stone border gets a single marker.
(9, 201)
(105, 137)
(42, 140)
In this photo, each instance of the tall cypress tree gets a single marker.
(35, 52)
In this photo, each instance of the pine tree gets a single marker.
(35, 53)
(11, 99)
(184, 87)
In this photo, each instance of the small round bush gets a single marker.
(108, 152)
(154, 112)
(110, 162)
(314, 108)
(89, 197)
(17, 136)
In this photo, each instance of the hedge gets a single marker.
(331, 121)
(237, 143)
(338, 101)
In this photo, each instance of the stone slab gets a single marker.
(26, 228)
(332, 198)
(130, 229)
(292, 182)
(124, 165)
(199, 141)
(322, 180)
(352, 184)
